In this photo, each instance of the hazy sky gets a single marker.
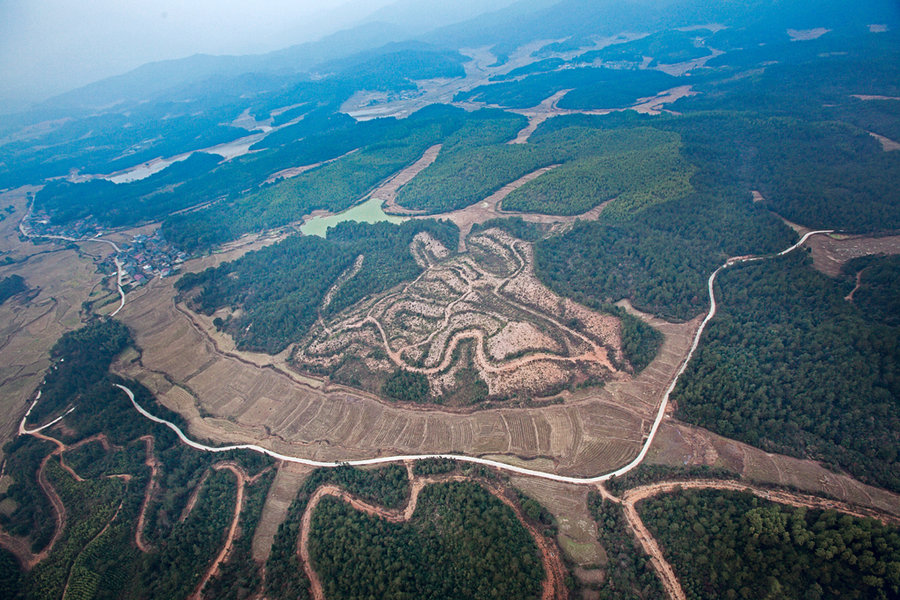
(51, 46)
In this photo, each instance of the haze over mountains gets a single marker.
(48, 49)
(477, 259)
(502, 24)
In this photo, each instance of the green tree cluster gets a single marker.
(461, 543)
(280, 289)
(10, 286)
(790, 366)
(734, 545)
(629, 575)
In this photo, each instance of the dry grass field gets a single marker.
(230, 396)
(678, 444)
(831, 252)
(578, 535)
(61, 277)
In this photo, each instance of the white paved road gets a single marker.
(473, 459)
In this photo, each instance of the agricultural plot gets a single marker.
(477, 326)
(232, 397)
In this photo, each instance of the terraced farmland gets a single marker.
(483, 311)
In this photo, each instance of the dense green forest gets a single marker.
(334, 187)
(96, 557)
(639, 165)
(515, 226)
(285, 580)
(664, 47)
(878, 294)
(81, 359)
(645, 260)
(660, 257)
(461, 543)
(280, 288)
(407, 386)
(634, 169)
(540, 66)
(10, 286)
(735, 545)
(629, 575)
(790, 366)
(592, 88)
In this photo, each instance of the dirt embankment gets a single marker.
(242, 480)
(553, 586)
(831, 252)
(635, 495)
(387, 192)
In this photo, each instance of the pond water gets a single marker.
(367, 212)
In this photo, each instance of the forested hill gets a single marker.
(279, 290)
(738, 546)
(790, 366)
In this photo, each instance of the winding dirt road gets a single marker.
(595, 353)
(242, 480)
(21, 547)
(153, 463)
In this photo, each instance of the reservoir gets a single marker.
(367, 212)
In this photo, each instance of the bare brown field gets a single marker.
(550, 108)
(868, 97)
(288, 479)
(387, 192)
(227, 398)
(887, 144)
(578, 535)
(678, 444)
(484, 310)
(543, 111)
(61, 279)
(830, 252)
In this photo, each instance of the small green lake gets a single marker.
(367, 212)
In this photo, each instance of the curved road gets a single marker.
(483, 461)
(119, 265)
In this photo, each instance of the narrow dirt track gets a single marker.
(94, 539)
(151, 462)
(242, 480)
(192, 500)
(20, 547)
(596, 353)
(553, 586)
(58, 508)
(387, 192)
(662, 567)
(635, 495)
